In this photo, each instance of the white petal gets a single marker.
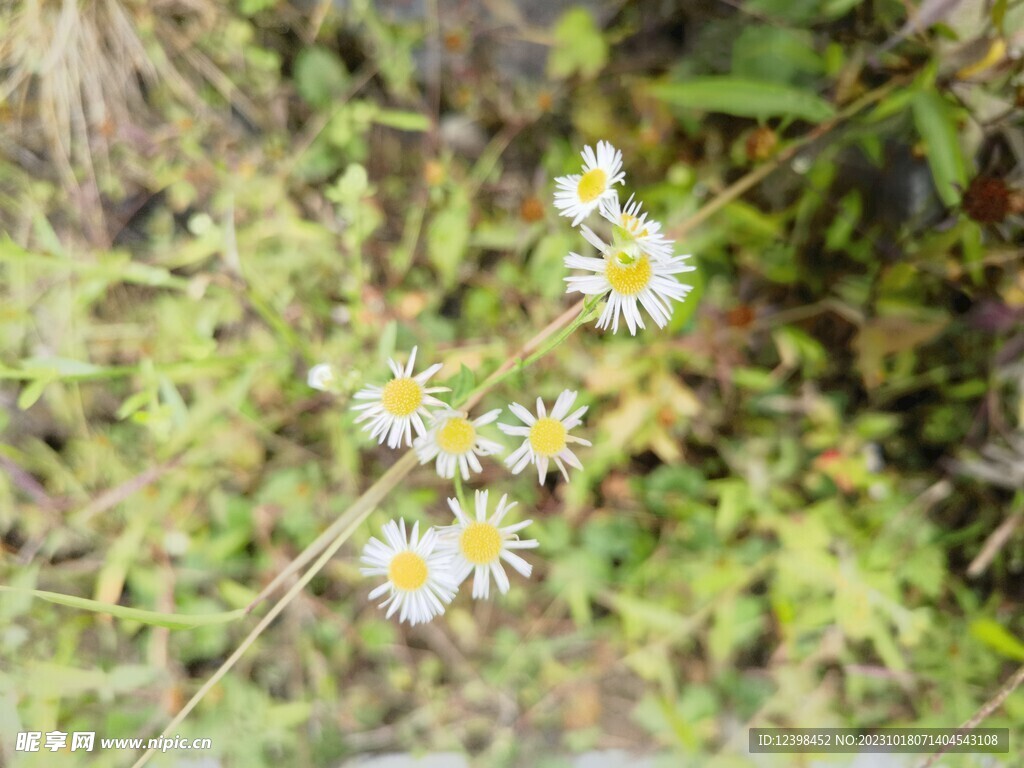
(500, 577)
(517, 562)
(563, 404)
(522, 414)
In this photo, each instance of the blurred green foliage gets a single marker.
(770, 529)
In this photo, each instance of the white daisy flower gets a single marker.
(578, 195)
(634, 231)
(419, 576)
(480, 545)
(321, 377)
(547, 437)
(397, 407)
(454, 441)
(630, 278)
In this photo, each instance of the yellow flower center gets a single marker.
(407, 571)
(628, 278)
(402, 397)
(547, 436)
(592, 185)
(456, 436)
(480, 543)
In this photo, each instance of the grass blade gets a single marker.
(152, 618)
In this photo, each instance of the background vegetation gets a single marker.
(803, 502)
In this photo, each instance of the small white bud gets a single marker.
(321, 377)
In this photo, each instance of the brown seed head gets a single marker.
(987, 200)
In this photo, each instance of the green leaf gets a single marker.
(350, 187)
(844, 223)
(579, 46)
(799, 349)
(833, 9)
(744, 98)
(291, 714)
(135, 402)
(754, 379)
(666, 481)
(252, 7)
(33, 391)
(151, 618)
(735, 623)
(59, 367)
(774, 53)
(402, 120)
(998, 638)
(748, 220)
(462, 384)
(448, 237)
(895, 103)
(733, 505)
(47, 237)
(937, 126)
(799, 12)
(320, 76)
(649, 615)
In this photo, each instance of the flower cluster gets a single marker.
(423, 573)
(637, 266)
(453, 440)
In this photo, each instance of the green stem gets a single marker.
(518, 363)
(359, 511)
(459, 494)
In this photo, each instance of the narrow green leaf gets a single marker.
(998, 638)
(733, 504)
(402, 120)
(833, 9)
(134, 402)
(895, 103)
(754, 379)
(151, 618)
(937, 126)
(744, 98)
(32, 392)
(61, 367)
(47, 237)
(146, 274)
